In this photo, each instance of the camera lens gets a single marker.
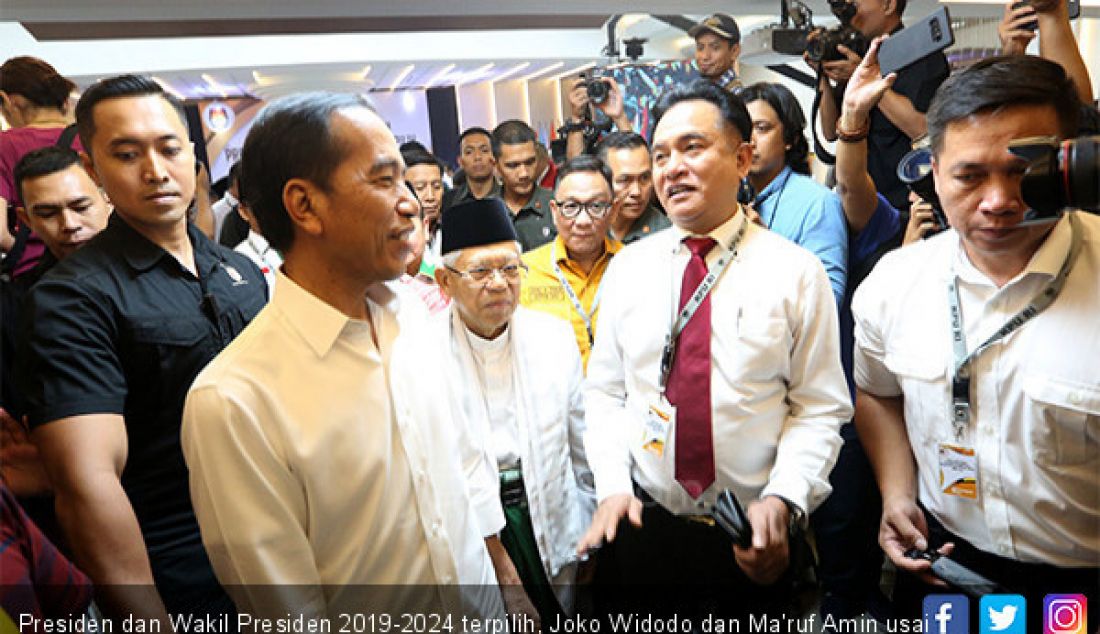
(597, 91)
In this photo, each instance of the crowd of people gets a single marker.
(518, 392)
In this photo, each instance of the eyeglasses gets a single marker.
(482, 274)
(571, 208)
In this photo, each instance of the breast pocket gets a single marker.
(1068, 420)
(923, 381)
(162, 348)
(763, 348)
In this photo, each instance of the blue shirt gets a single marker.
(808, 214)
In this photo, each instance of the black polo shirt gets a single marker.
(121, 327)
(886, 143)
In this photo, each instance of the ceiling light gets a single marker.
(401, 76)
(515, 69)
(436, 77)
(549, 68)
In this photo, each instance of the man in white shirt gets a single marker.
(983, 428)
(752, 399)
(316, 466)
(517, 377)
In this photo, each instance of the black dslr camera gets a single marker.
(598, 89)
(822, 43)
(915, 170)
(1060, 175)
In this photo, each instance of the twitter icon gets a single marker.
(1003, 613)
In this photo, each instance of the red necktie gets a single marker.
(689, 381)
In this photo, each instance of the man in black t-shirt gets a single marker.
(899, 116)
(113, 337)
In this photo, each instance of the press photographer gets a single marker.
(975, 348)
(899, 116)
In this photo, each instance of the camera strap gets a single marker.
(960, 379)
(693, 304)
(825, 156)
(586, 317)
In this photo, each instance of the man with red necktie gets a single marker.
(717, 367)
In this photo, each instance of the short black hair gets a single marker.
(732, 108)
(472, 131)
(511, 132)
(42, 162)
(584, 163)
(900, 4)
(113, 88)
(619, 140)
(290, 138)
(421, 157)
(1002, 82)
(409, 146)
(791, 117)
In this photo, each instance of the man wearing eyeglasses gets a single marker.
(566, 274)
(516, 379)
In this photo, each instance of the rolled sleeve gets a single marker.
(68, 354)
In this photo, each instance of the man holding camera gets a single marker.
(899, 116)
(975, 355)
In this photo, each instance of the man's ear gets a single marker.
(89, 166)
(736, 51)
(303, 201)
(443, 279)
(21, 213)
(890, 7)
(744, 158)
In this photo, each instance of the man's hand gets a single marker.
(865, 89)
(840, 70)
(516, 602)
(921, 222)
(1014, 37)
(605, 522)
(613, 105)
(903, 527)
(768, 557)
(20, 463)
(578, 101)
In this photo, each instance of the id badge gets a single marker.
(658, 420)
(958, 471)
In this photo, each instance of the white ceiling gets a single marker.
(207, 48)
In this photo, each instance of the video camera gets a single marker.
(822, 43)
(915, 170)
(1060, 175)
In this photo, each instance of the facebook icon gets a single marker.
(946, 614)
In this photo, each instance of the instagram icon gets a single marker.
(1065, 614)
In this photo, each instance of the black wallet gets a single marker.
(729, 515)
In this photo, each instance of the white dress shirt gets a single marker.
(317, 461)
(777, 388)
(494, 376)
(1035, 396)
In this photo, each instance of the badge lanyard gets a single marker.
(572, 295)
(700, 294)
(960, 380)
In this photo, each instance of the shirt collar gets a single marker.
(142, 254)
(1047, 260)
(777, 183)
(317, 322)
(610, 248)
(537, 204)
(723, 234)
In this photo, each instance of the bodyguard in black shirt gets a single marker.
(115, 334)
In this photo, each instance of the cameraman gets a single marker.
(899, 116)
(581, 133)
(984, 429)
